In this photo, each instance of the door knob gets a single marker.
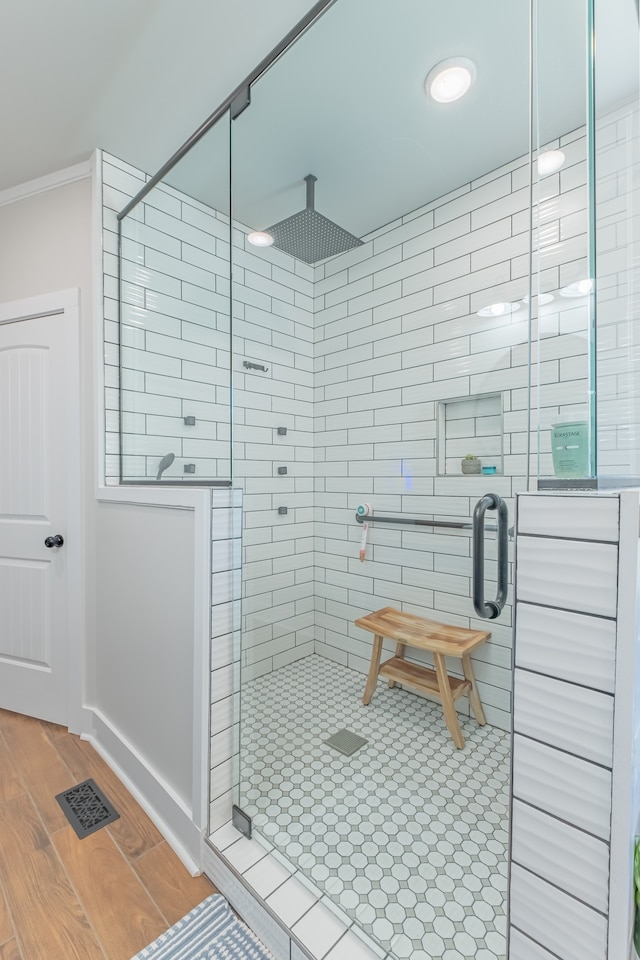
(55, 541)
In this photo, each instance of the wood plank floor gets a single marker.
(61, 898)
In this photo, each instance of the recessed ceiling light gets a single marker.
(542, 298)
(578, 289)
(549, 162)
(498, 309)
(450, 79)
(260, 238)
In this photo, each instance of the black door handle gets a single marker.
(490, 609)
(55, 541)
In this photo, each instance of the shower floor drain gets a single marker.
(86, 808)
(346, 742)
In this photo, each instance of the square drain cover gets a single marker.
(86, 808)
(346, 742)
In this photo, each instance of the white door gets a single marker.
(38, 450)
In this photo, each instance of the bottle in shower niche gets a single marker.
(570, 448)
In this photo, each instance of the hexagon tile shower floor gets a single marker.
(408, 835)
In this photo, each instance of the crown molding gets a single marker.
(60, 178)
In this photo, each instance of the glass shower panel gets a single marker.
(563, 270)
(380, 340)
(175, 323)
(617, 184)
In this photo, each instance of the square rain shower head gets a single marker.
(309, 236)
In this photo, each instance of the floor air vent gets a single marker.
(346, 742)
(86, 808)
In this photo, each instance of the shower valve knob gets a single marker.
(55, 541)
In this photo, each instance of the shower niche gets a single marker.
(471, 426)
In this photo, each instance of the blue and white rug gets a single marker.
(210, 932)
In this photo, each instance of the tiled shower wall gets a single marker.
(175, 294)
(616, 212)
(398, 336)
(273, 326)
(176, 364)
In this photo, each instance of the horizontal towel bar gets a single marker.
(421, 522)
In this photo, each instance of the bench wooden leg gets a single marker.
(373, 670)
(474, 696)
(400, 649)
(448, 706)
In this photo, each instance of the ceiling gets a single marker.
(346, 103)
(135, 77)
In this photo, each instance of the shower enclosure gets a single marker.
(459, 286)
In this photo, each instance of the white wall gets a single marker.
(46, 245)
(152, 683)
(145, 627)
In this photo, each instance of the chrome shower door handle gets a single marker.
(490, 609)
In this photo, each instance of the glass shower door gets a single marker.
(563, 335)
(390, 371)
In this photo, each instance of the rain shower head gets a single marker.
(308, 235)
(166, 461)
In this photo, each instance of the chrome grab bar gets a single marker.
(490, 609)
(421, 522)
(416, 521)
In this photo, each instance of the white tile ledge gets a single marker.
(311, 920)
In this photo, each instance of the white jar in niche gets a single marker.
(471, 464)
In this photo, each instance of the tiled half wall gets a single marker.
(575, 806)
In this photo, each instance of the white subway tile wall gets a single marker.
(409, 379)
(175, 332)
(273, 452)
(226, 552)
(618, 350)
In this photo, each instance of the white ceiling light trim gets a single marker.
(450, 79)
(578, 289)
(549, 162)
(260, 238)
(542, 298)
(498, 309)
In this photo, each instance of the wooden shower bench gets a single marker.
(441, 640)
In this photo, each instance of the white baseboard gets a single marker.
(159, 801)
(81, 723)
